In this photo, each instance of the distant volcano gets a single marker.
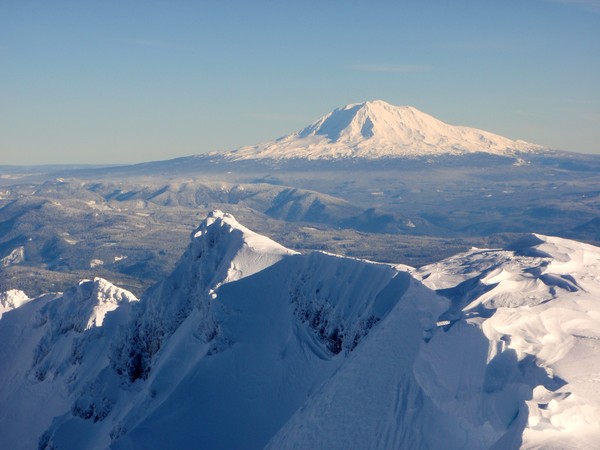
(376, 129)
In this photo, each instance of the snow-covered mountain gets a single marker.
(52, 348)
(250, 345)
(376, 129)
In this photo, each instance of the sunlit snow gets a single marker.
(376, 129)
(250, 345)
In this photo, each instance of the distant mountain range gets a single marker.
(376, 129)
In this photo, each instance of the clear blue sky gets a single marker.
(130, 81)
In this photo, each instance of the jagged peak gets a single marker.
(211, 218)
(221, 251)
(221, 226)
(219, 218)
(85, 305)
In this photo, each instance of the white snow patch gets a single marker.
(12, 299)
(16, 256)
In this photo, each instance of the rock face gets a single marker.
(374, 130)
(248, 344)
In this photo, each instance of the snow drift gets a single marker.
(250, 345)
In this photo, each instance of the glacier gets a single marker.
(375, 130)
(248, 344)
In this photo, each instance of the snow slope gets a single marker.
(514, 362)
(250, 345)
(376, 129)
(538, 305)
(235, 340)
(52, 347)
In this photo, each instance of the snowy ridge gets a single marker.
(298, 319)
(376, 129)
(63, 342)
(84, 306)
(285, 333)
(79, 309)
(514, 363)
(247, 252)
(248, 344)
(221, 251)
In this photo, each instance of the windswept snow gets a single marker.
(376, 130)
(248, 344)
(538, 304)
(12, 299)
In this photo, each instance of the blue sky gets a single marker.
(131, 81)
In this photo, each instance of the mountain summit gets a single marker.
(376, 129)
